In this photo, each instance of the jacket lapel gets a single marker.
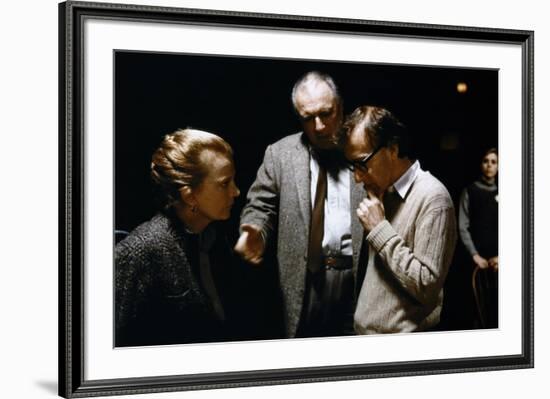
(302, 180)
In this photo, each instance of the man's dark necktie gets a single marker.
(317, 227)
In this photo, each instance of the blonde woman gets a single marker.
(170, 269)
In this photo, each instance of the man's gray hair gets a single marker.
(315, 76)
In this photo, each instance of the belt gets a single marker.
(337, 262)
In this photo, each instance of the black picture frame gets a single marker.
(72, 382)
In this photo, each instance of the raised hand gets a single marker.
(371, 212)
(250, 245)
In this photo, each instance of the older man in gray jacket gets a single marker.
(302, 198)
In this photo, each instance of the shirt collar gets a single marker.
(406, 180)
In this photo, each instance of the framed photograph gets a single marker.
(132, 75)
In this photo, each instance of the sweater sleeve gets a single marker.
(421, 272)
(464, 223)
(263, 197)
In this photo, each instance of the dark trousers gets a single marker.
(328, 304)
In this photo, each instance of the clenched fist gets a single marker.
(371, 212)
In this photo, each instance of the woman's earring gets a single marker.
(194, 208)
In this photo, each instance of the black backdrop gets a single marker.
(247, 102)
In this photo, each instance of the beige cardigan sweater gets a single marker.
(409, 256)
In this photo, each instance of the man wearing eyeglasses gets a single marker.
(302, 200)
(409, 223)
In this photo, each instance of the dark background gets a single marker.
(247, 102)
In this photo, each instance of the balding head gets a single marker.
(318, 104)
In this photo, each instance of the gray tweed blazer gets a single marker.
(279, 202)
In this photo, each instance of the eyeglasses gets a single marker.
(361, 164)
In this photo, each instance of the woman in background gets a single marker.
(478, 228)
(173, 272)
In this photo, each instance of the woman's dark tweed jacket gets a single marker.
(159, 297)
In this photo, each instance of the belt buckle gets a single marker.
(330, 262)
